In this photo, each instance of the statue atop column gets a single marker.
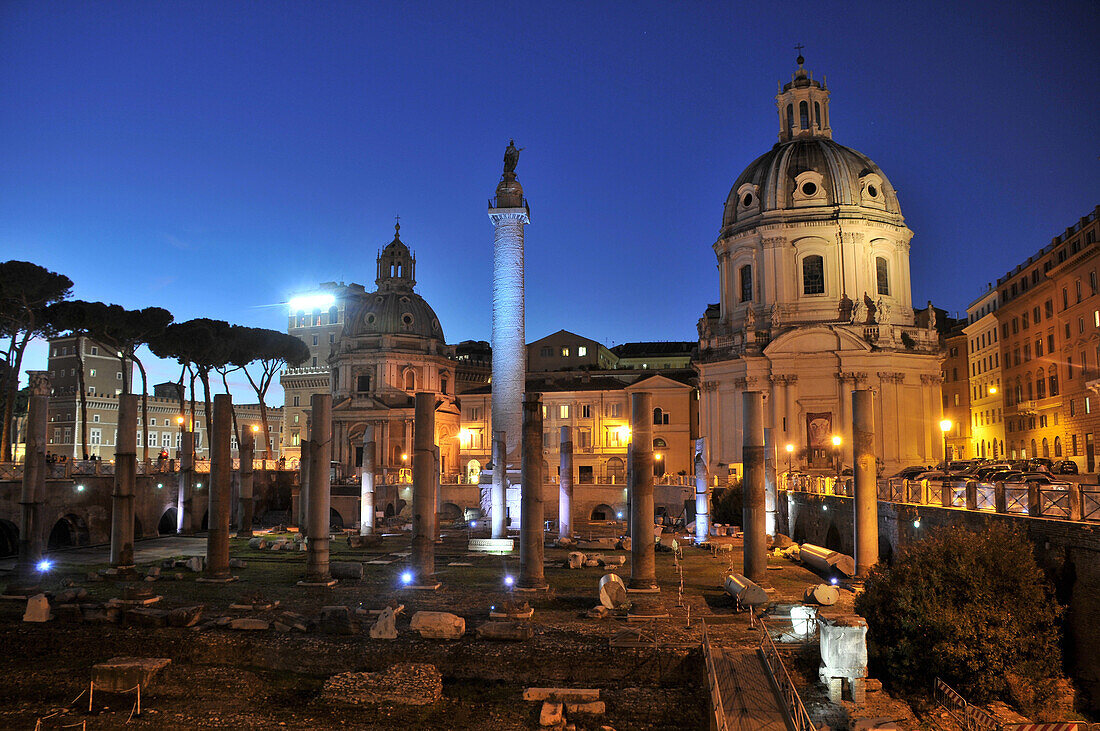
(511, 157)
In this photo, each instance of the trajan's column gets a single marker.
(509, 214)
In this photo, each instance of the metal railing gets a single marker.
(718, 710)
(773, 661)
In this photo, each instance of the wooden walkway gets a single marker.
(748, 696)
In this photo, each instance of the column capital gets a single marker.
(502, 215)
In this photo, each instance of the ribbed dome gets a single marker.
(837, 176)
(393, 312)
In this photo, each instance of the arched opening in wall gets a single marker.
(449, 512)
(473, 472)
(389, 510)
(790, 119)
(885, 550)
(205, 525)
(658, 464)
(616, 470)
(803, 115)
(817, 114)
(745, 274)
(333, 315)
(602, 512)
(1034, 451)
(410, 380)
(9, 538)
(1057, 446)
(1046, 448)
(444, 384)
(167, 524)
(832, 538)
(335, 520)
(798, 535)
(137, 528)
(813, 275)
(882, 275)
(71, 530)
(400, 506)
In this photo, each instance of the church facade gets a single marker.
(815, 301)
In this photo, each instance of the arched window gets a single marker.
(443, 384)
(1057, 446)
(302, 322)
(813, 275)
(790, 119)
(1030, 391)
(616, 470)
(333, 315)
(410, 380)
(1046, 448)
(746, 283)
(803, 115)
(657, 416)
(882, 275)
(1034, 451)
(316, 317)
(659, 443)
(817, 114)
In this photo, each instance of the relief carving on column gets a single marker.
(929, 379)
(891, 376)
(747, 383)
(39, 382)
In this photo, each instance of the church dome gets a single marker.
(807, 175)
(393, 312)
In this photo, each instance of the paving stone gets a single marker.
(552, 714)
(594, 707)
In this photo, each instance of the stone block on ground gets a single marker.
(143, 617)
(385, 627)
(843, 645)
(337, 620)
(623, 544)
(593, 707)
(250, 624)
(346, 570)
(552, 714)
(882, 723)
(38, 609)
(438, 625)
(591, 563)
(194, 564)
(822, 594)
(416, 684)
(782, 541)
(612, 591)
(120, 674)
(185, 616)
(599, 612)
(257, 543)
(575, 560)
(612, 560)
(577, 695)
(237, 563)
(69, 613)
(505, 631)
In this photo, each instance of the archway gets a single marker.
(602, 512)
(832, 538)
(70, 530)
(616, 470)
(137, 528)
(450, 511)
(167, 524)
(335, 520)
(205, 521)
(473, 472)
(9, 538)
(389, 510)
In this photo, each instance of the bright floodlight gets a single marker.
(836, 441)
(620, 515)
(916, 523)
(993, 389)
(833, 581)
(255, 428)
(464, 434)
(658, 456)
(945, 425)
(43, 565)
(508, 581)
(310, 302)
(790, 448)
(80, 488)
(406, 578)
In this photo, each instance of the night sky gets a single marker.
(215, 158)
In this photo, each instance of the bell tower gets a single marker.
(396, 264)
(803, 106)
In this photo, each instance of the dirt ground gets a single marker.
(224, 678)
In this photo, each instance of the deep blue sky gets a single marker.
(214, 158)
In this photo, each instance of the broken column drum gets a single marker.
(221, 464)
(509, 213)
(498, 493)
(565, 485)
(122, 499)
(366, 494)
(425, 486)
(643, 568)
(753, 512)
(771, 488)
(247, 451)
(317, 515)
(531, 518)
(865, 499)
(33, 492)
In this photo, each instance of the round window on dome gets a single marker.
(809, 189)
(747, 200)
(872, 191)
(370, 319)
(407, 319)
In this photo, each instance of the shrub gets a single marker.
(973, 609)
(727, 506)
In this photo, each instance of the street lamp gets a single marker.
(945, 426)
(836, 452)
(790, 448)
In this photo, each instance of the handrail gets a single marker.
(719, 710)
(795, 710)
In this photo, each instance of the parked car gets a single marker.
(910, 472)
(1043, 479)
(1064, 467)
(1003, 475)
(1038, 464)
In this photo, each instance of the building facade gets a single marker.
(983, 369)
(956, 394)
(815, 301)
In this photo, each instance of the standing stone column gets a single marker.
(509, 214)
(317, 516)
(221, 466)
(425, 486)
(122, 499)
(185, 502)
(565, 485)
(31, 536)
(702, 492)
(531, 512)
(754, 518)
(643, 564)
(366, 494)
(247, 451)
(866, 488)
(770, 486)
(304, 468)
(498, 510)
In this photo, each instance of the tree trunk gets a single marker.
(144, 408)
(204, 376)
(193, 376)
(83, 395)
(236, 431)
(9, 404)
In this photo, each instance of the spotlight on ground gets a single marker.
(406, 578)
(80, 488)
(509, 581)
(916, 523)
(833, 581)
(619, 515)
(43, 565)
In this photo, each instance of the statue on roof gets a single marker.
(511, 156)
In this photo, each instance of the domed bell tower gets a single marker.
(803, 107)
(396, 265)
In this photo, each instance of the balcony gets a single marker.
(307, 371)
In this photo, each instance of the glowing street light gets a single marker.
(44, 565)
(945, 427)
(992, 390)
(836, 454)
(790, 448)
(406, 577)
